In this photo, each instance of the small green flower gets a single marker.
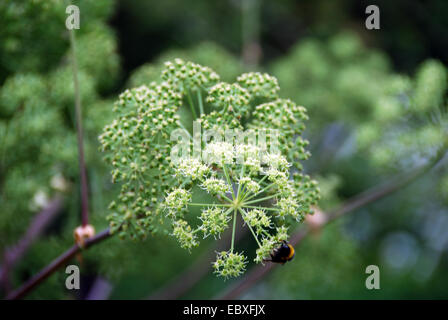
(230, 97)
(288, 207)
(184, 234)
(276, 161)
(276, 175)
(249, 155)
(263, 252)
(214, 221)
(192, 168)
(186, 75)
(258, 219)
(177, 199)
(250, 184)
(215, 186)
(282, 234)
(219, 152)
(229, 264)
(259, 85)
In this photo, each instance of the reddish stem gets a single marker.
(14, 254)
(55, 265)
(80, 135)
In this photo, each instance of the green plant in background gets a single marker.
(391, 120)
(36, 104)
(38, 148)
(32, 40)
(410, 126)
(338, 79)
(156, 189)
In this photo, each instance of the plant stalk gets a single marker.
(80, 135)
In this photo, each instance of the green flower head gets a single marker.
(245, 165)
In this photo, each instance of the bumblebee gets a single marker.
(282, 254)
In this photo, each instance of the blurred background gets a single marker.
(377, 106)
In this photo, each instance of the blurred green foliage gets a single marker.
(338, 78)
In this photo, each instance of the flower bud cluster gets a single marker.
(229, 264)
(260, 85)
(227, 179)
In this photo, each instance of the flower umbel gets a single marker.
(214, 221)
(229, 179)
(229, 264)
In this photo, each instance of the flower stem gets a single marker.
(233, 230)
(250, 228)
(226, 197)
(182, 126)
(228, 178)
(79, 130)
(262, 199)
(63, 259)
(201, 106)
(261, 191)
(261, 208)
(262, 179)
(209, 204)
(239, 184)
(190, 102)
